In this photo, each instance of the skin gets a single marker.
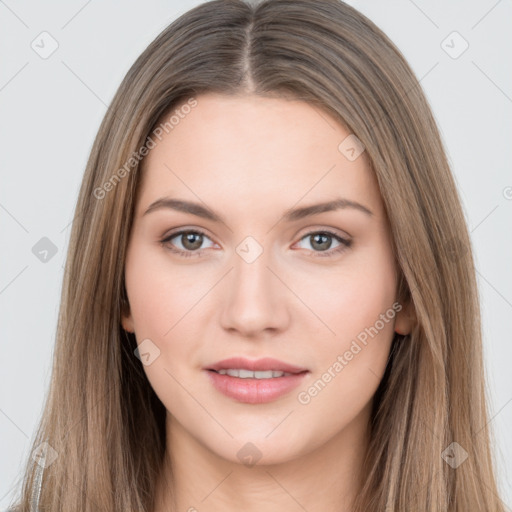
(250, 159)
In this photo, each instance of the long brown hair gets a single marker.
(102, 422)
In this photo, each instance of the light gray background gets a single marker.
(51, 109)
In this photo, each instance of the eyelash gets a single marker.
(344, 243)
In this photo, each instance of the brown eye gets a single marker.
(186, 243)
(191, 240)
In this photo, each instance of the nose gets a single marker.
(256, 300)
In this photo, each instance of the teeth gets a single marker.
(249, 374)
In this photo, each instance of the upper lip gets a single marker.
(266, 363)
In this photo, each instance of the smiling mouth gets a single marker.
(249, 374)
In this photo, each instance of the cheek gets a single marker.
(357, 303)
(161, 294)
(162, 301)
(350, 298)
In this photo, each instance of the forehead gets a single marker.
(250, 149)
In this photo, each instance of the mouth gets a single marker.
(255, 382)
(249, 374)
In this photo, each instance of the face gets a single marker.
(242, 266)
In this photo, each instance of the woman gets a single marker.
(269, 295)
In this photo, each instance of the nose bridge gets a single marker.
(255, 299)
(251, 274)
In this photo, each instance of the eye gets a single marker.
(188, 243)
(321, 242)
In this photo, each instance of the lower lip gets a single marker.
(255, 391)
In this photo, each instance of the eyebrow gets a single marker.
(290, 215)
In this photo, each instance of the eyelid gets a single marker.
(184, 229)
(323, 229)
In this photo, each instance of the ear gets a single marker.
(127, 323)
(126, 316)
(405, 319)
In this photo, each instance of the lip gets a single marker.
(266, 363)
(255, 391)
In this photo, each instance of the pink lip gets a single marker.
(267, 363)
(255, 391)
